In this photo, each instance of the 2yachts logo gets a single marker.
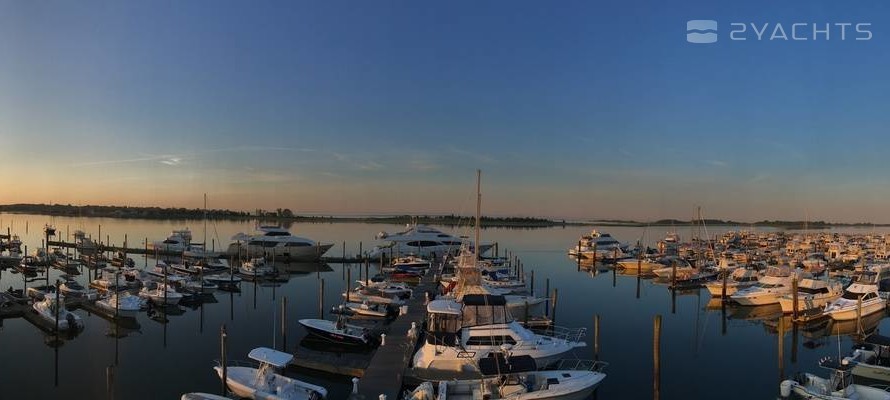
(705, 31)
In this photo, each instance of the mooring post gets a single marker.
(57, 307)
(794, 300)
(596, 337)
(354, 385)
(224, 364)
(367, 269)
(109, 381)
(321, 299)
(532, 283)
(781, 349)
(348, 283)
(284, 323)
(723, 289)
(547, 294)
(555, 299)
(859, 316)
(578, 255)
(594, 255)
(656, 359)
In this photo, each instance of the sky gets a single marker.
(571, 109)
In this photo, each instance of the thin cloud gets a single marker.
(483, 158)
(718, 163)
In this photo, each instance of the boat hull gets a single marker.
(849, 313)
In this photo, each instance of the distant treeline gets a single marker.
(279, 216)
(286, 216)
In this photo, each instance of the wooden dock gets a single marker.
(384, 374)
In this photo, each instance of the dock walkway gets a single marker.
(386, 369)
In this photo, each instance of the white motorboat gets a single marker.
(422, 240)
(459, 334)
(740, 278)
(518, 379)
(123, 303)
(838, 386)
(645, 265)
(177, 242)
(373, 296)
(860, 298)
(602, 244)
(277, 243)
(812, 294)
(386, 288)
(264, 383)
(202, 396)
(772, 285)
(161, 295)
(49, 307)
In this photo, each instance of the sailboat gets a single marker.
(474, 324)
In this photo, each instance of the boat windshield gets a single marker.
(851, 296)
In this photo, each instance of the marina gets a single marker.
(695, 329)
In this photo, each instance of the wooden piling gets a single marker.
(594, 254)
(553, 310)
(578, 255)
(547, 293)
(321, 299)
(596, 337)
(781, 349)
(367, 275)
(109, 381)
(656, 358)
(224, 363)
(794, 300)
(859, 316)
(532, 283)
(284, 323)
(348, 283)
(723, 290)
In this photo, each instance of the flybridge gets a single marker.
(800, 31)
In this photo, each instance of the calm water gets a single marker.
(701, 346)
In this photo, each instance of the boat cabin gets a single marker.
(446, 320)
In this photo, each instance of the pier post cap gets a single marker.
(354, 385)
(382, 339)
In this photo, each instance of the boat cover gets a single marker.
(269, 356)
(499, 365)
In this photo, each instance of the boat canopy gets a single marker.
(484, 300)
(272, 357)
(443, 306)
(499, 365)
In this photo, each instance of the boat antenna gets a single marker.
(478, 212)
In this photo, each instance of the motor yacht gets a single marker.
(277, 243)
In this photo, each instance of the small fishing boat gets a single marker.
(123, 303)
(365, 309)
(338, 332)
(49, 307)
(739, 279)
(161, 295)
(838, 386)
(264, 383)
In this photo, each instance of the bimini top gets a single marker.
(484, 300)
(272, 357)
(498, 365)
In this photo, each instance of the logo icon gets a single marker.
(701, 31)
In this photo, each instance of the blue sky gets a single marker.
(589, 109)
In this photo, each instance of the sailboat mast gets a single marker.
(478, 212)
